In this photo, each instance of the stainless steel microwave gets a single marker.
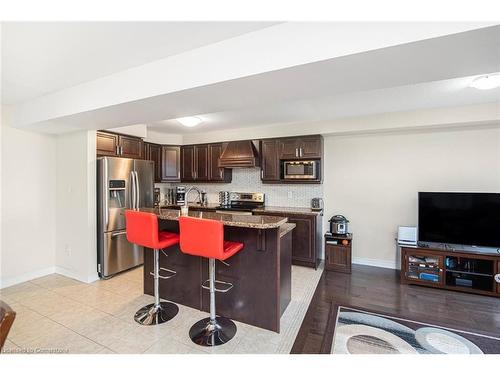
(300, 170)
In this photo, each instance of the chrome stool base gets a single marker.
(150, 315)
(205, 333)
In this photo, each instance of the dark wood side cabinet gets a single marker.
(110, 144)
(306, 237)
(338, 253)
(199, 163)
(454, 270)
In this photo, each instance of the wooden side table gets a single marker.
(338, 252)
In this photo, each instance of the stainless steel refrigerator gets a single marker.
(121, 184)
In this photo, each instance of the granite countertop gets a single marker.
(228, 219)
(292, 210)
(286, 228)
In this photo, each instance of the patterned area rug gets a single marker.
(361, 332)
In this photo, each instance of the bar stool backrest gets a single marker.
(201, 237)
(142, 228)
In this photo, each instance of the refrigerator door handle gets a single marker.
(138, 191)
(121, 233)
(132, 187)
(105, 188)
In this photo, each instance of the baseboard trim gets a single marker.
(374, 262)
(5, 283)
(68, 273)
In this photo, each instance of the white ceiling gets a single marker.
(43, 57)
(427, 73)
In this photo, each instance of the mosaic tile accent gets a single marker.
(248, 180)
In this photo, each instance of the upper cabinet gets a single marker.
(200, 163)
(109, 144)
(301, 148)
(152, 152)
(170, 163)
(273, 153)
(269, 160)
(215, 173)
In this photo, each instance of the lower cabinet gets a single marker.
(338, 255)
(306, 237)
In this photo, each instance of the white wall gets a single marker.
(28, 205)
(373, 179)
(76, 249)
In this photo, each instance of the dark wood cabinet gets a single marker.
(187, 163)
(451, 269)
(338, 253)
(110, 144)
(306, 237)
(200, 163)
(170, 163)
(214, 172)
(269, 162)
(310, 147)
(131, 147)
(152, 152)
(107, 144)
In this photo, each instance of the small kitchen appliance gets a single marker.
(338, 224)
(317, 204)
(180, 195)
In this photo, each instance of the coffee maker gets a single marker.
(180, 195)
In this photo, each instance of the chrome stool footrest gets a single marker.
(171, 274)
(229, 286)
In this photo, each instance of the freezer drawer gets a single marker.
(118, 254)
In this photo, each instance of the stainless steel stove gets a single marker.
(243, 203)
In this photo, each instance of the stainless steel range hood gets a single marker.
(239, 154)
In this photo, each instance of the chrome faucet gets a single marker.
(188, 191)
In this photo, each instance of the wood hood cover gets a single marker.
(239, 154)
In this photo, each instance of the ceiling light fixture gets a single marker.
(486, 82)
(190, 121)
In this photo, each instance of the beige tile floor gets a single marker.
(56, 314)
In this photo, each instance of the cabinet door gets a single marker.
(423, 267)
(170, 163)
(311, 148)
(270, 163)
(338, 258)
(107, 144)
(131, 147)
(201, 163)
(288, 148)
(153, 153)
(303, 238)
(187, 163)
(214, 172)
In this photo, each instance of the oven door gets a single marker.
(300, 170)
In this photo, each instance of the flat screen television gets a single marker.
(469, 219)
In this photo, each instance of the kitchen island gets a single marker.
(260, 273)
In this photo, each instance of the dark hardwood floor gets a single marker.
(379, 290)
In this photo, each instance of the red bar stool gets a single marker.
(142, 229)
(205, 238)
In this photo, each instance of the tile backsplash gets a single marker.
(248, 180)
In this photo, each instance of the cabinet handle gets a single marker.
(220, 172)
(296, 152)
(300, 153)
(261, 173)
(117, 150)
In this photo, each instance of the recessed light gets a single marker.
(486, 82)
(190, 121)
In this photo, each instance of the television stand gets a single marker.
(463, 271)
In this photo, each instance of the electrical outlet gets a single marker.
(67, 250)
(290, 195)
